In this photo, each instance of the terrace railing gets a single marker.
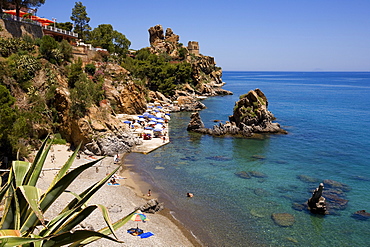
(10, 17)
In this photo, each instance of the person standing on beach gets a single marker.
(149, 193)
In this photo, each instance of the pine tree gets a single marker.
(81, 20)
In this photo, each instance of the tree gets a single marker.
(68, 26)
(25, 4)
(108, 38)
(80, 19)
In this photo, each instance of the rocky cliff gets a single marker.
(205, 74)
(250, 116)
(100, 131)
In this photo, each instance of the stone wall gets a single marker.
(15, 29)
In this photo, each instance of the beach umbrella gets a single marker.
(160, 121)
(139, 216)
(158, 130)
(160, 107)
(167, 114)
(151, 116)
(152, 122)
(167, 117)
(127, 122)
(140, 116)
(148, 128)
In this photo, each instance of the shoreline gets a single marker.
(136, 182)
(120, 200)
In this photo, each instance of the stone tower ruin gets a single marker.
(193, 47)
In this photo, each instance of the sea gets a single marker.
(327, 116)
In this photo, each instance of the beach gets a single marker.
(120, 200)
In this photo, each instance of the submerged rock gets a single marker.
(283, 219)
(243, 174)
(257, 174)
(307, 179)
(361, 215)
(335, 184)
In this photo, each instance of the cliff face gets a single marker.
(99, 131)
(205, 74)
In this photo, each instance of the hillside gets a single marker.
(76, 95)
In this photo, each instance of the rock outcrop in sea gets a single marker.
(250, 116)
(317, 203)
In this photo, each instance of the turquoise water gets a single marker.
(327, 116)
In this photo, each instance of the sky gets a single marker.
(245, 35)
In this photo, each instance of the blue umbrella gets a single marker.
(158, 129)
(146, 114)
(140, 116)
(128, 122)
(168, 114)
(151, 116)
(148, 128)
(159, 107)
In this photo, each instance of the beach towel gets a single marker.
(113, 184)
(146, 235)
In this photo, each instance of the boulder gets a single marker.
(152, 206)
(283, 219)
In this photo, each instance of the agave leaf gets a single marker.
(32, 195)
(4, 190)
(38, 163)
(54, 192)
(66, 166)
(89, 192)
(20, 169)
(77, 236)
(11, 240)
(105, 231)
(105, 213)
(76, 219)
(9, 214)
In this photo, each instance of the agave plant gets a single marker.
(25, 205)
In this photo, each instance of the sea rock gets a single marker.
(336, 202)
(196, 122)
(361, 215)
(335, 184)
(317, 203)
(261, 192)
(189, 103)
(243, 174)
(307, 179)
(250, 116)
(283, 219)
(257, 174)
(152, 206)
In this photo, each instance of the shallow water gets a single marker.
(327, 116)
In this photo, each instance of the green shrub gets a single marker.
(90, 68)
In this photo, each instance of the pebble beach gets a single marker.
(120, 200)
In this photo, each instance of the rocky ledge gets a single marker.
(250, 116)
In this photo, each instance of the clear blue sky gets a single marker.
(245, 35)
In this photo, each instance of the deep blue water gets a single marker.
(327, 115)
